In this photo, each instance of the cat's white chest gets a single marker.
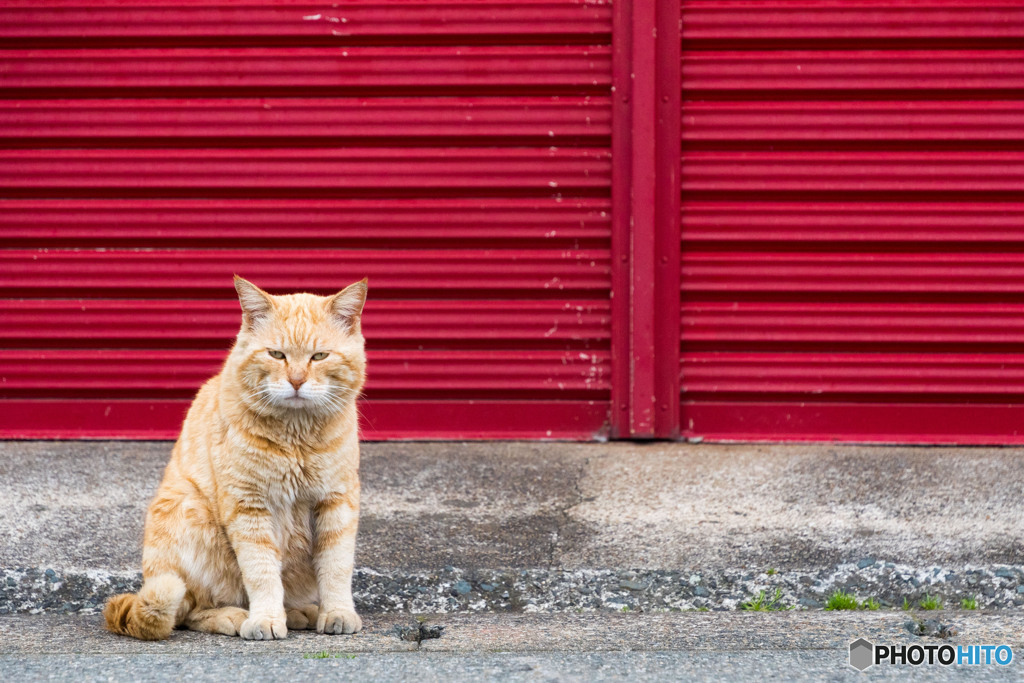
(306, 479)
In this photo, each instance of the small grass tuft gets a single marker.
(930, 602)
(906, 604)
(840, 601)
(772, 572)
(969, 602)
(762, 603)
(870, 604)
(324, 654)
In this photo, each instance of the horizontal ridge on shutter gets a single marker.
(322, 223)
(387, 323)
(66, 23)
(865, 327)
(436, 374)
(920, 175)
(853, 273)
(201, 273)
(419, 121)
(865, 124)
(380, 419)
(878, 376)
(366, 171)
(861, 74)
(787, 24)
(853, 225)
(569, 70)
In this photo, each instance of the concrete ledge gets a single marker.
(553, 526)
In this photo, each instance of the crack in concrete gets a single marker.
(563, 520)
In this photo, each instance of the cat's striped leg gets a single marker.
(250, 529)
(300, 588)
(335, 524)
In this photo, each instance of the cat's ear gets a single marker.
(256, 304)
(347, 306)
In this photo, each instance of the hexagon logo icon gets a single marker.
(862, 654)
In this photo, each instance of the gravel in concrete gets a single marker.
(453, 589)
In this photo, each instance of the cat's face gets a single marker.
(300, 352)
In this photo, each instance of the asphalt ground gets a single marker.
(516, 647)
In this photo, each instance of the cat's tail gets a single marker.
(150, 613)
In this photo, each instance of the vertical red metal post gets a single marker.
(645, 239)
(622, 216)
(642, 199)
(667, 230)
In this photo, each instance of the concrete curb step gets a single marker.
(34, 590)
(521, 505)
(555, 527)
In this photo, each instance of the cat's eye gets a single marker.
(275, 354)
(320, 355)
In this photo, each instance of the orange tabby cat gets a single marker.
(253, 528)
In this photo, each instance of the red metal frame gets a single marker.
(645, 210)
(667, 234)
(642, 311)
(622, 214)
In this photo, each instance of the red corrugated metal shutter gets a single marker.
(456, 152)
(852, 222)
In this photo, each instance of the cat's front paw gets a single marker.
(338, 621)
(264, 627)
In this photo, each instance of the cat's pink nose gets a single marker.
(296, 383)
